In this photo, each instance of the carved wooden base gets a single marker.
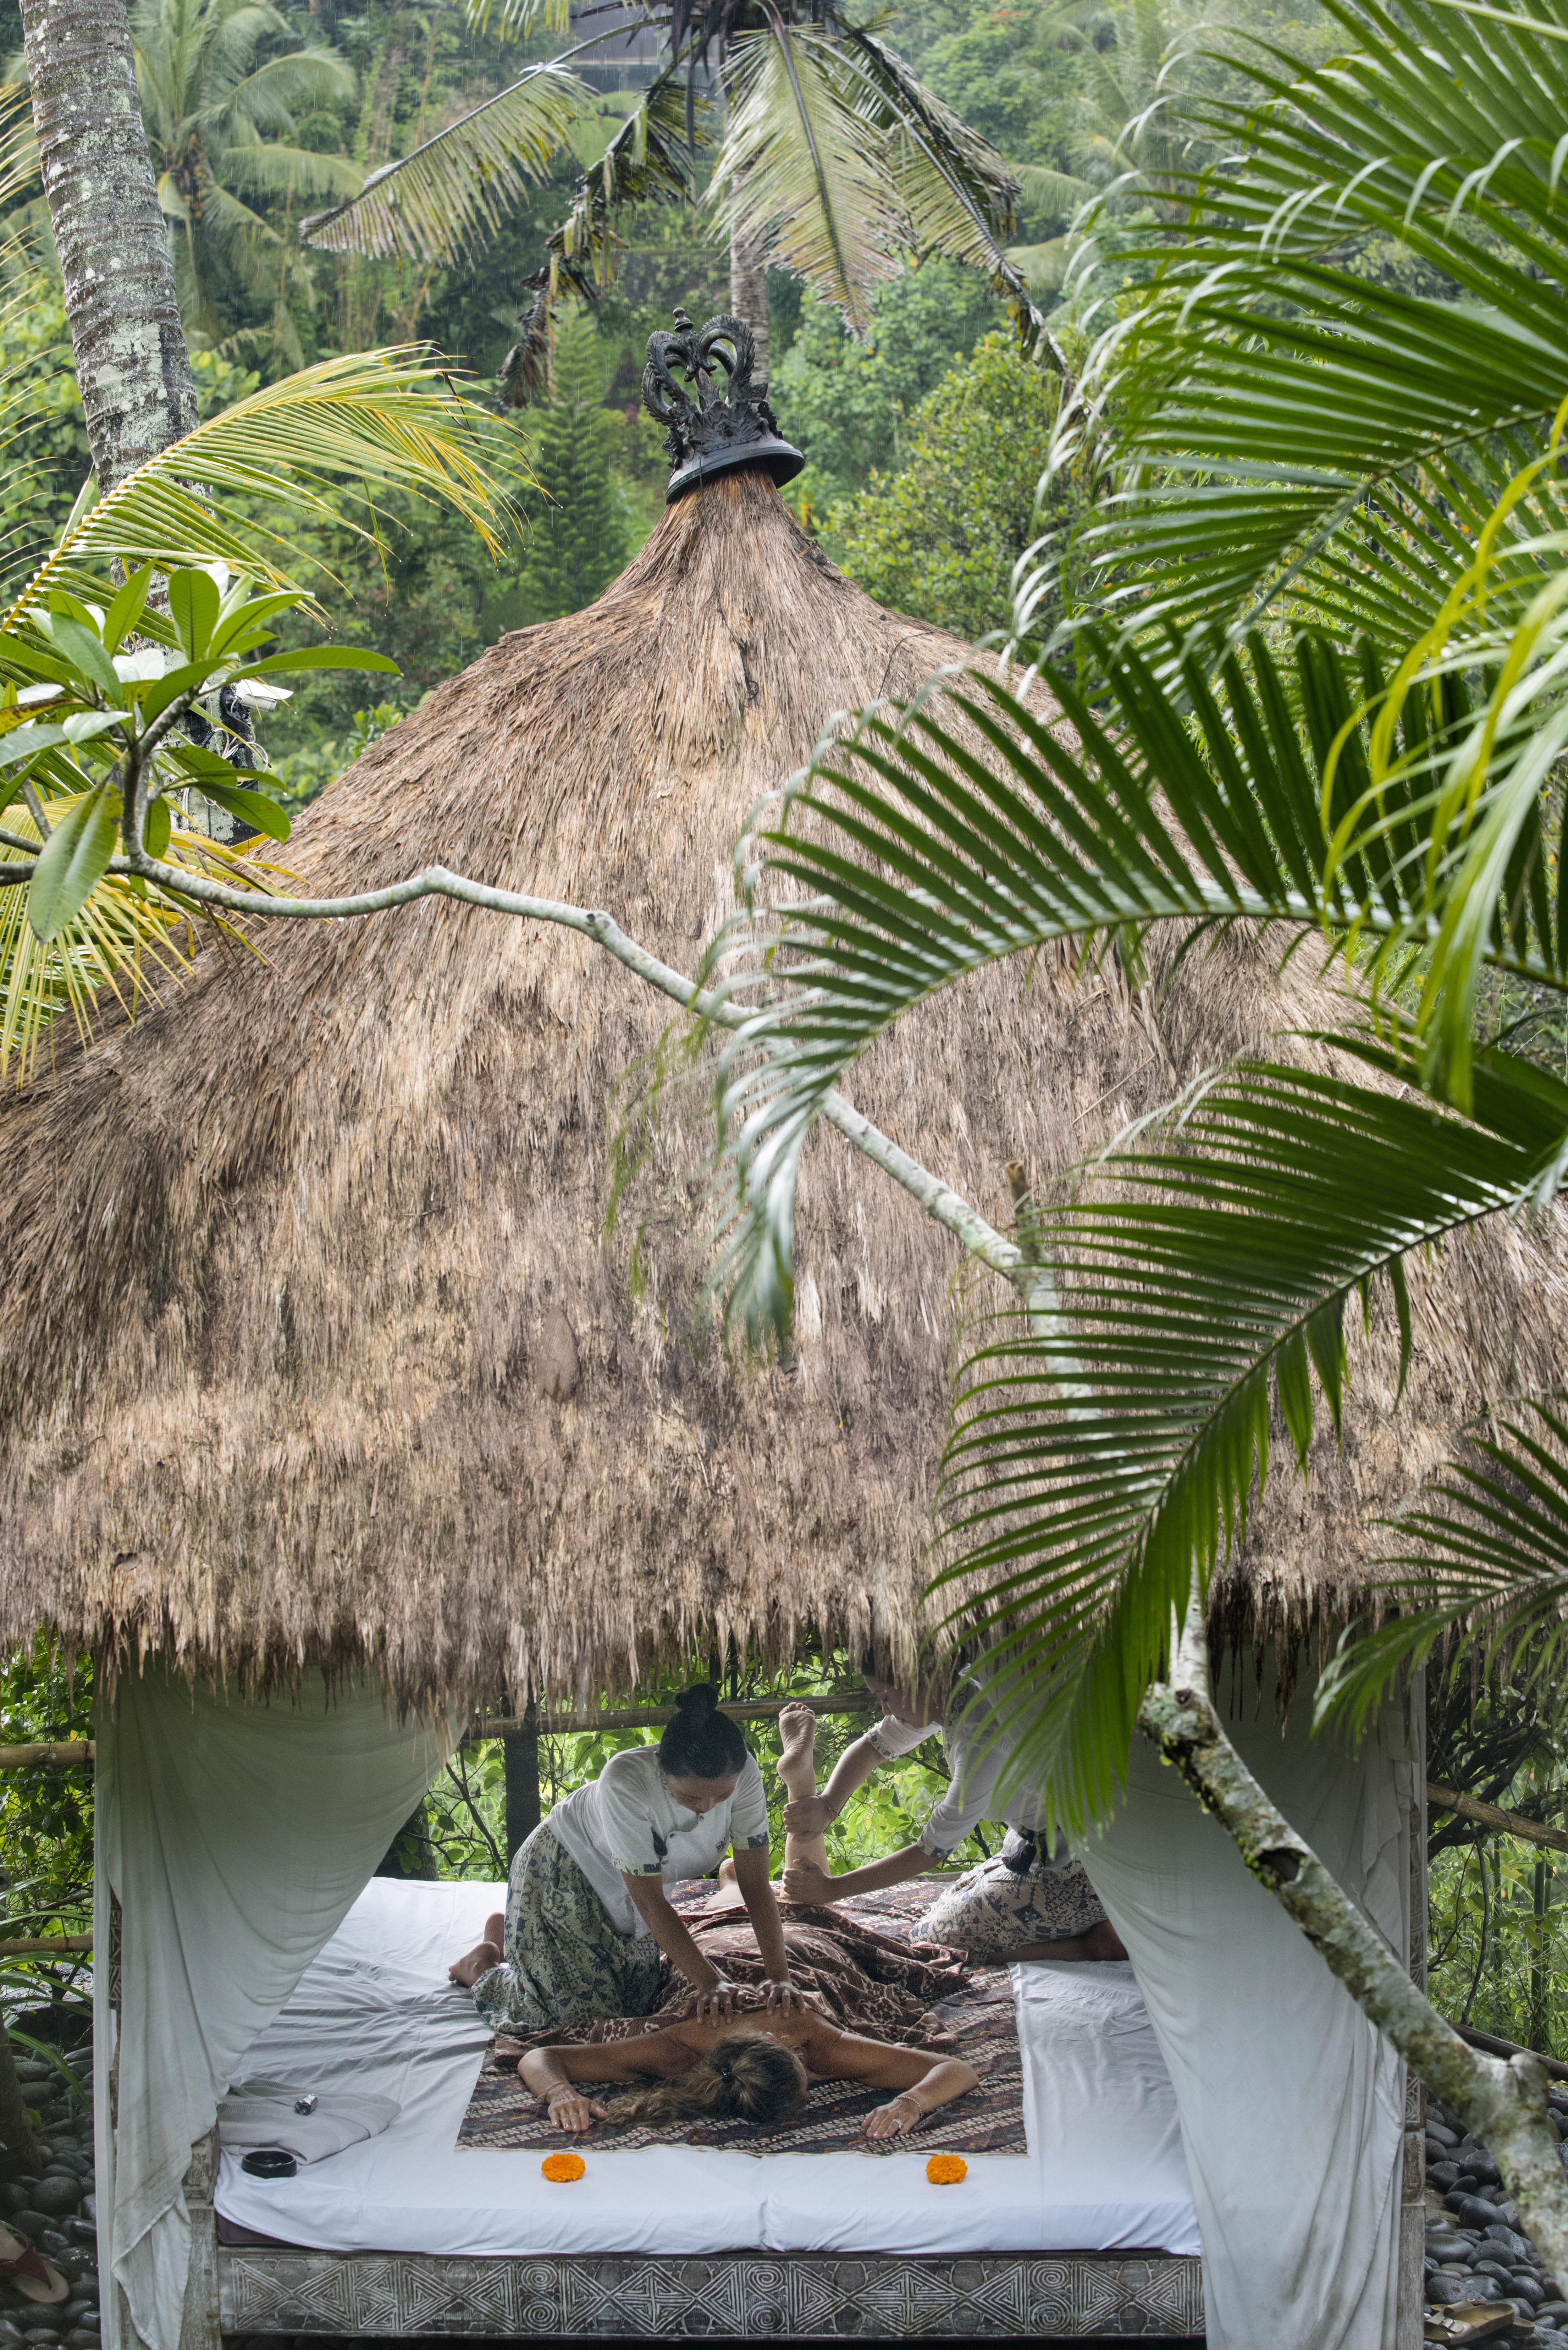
(731, 2295)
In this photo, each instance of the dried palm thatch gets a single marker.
(311, 1338)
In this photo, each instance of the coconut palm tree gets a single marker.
(220, 123)
(834, 161)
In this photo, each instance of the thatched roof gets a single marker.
(310, 1338)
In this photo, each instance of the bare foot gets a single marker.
(484, 1954)
(796, 1766)
(729, 1883)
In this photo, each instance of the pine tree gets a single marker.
(577, 534)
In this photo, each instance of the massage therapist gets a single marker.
(587, 1913)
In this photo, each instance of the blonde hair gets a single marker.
(745, 2076)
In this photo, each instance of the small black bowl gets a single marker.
(269, 2162)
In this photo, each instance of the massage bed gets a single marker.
(1092, 2232)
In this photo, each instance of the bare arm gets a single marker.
(763, 1908)
(552, 2073)
(812, 1814)
(670, 1932)
(923, 2082)
(814, 1884)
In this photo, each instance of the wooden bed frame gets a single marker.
(738, 2296)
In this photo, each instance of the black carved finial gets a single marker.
(718, 429)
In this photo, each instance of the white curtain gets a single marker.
(1291, 2105)
(236, 1837)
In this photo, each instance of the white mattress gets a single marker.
(1105, 2169)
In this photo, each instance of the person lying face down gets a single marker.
(1033, 1900)
(758, 2072)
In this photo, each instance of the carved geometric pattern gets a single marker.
(744, 2295)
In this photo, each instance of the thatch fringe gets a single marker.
(311, 1344)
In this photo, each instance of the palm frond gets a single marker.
(515, 19)
(1296, 432)
(317, 446)
(1476, 1570)
(801, 169)
(1105, 1449)
(649, 161)
(448, 199)
(1056, 192)
(912, 854)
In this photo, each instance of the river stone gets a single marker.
(1443, 2174)
(1514, 2247)
(1445, 2247)
(1441, 2132)
(1442, 2291)
(1528, 2287)
(57, 2194)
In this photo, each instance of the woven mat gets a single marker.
(977, 2023)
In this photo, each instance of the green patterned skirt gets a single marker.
(564, 1962)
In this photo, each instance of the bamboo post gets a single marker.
(654, 1717)
(45, 1946)
(520, 1757)
(64, 1751)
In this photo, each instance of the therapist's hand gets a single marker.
(811, 1886)
(717, 2003)
(808, 1816)
(786, 1997)
(570, 2110)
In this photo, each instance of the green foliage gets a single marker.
(940, 538)
(847, 404)
(579, 529)
(467, 1804)
(46, 1813)
(221, 120)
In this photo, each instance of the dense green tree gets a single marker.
(940, 538)
(578, 534)
(848, 403)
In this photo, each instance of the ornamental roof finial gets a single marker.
(722, 429)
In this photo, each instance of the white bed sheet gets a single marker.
(1105, 2170)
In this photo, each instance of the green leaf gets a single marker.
(126, 610)
(251, 807)
(157, 827)
(193, 601)
(25, 742)
(72, 862)
(319, 657)
(84, 649)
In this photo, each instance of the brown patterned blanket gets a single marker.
(864, 1964)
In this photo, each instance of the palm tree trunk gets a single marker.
(749, 297)
(132, 366)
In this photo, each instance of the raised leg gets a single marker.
(483, 1955)
(796, 1766)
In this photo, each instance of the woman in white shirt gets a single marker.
(587, 1919)
(1030, 1901)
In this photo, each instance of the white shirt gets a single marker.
(626, 1823)
(978, 1756)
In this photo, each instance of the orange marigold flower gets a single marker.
(946, 2169)
(562, 2167)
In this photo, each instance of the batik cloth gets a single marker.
(564, 1961)
(992, 1910)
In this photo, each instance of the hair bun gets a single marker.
(700, 1699)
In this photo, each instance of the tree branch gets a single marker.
(1489, 1816)
(943, 1204)
(1503, 2103)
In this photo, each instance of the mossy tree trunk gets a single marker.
(133, 365)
